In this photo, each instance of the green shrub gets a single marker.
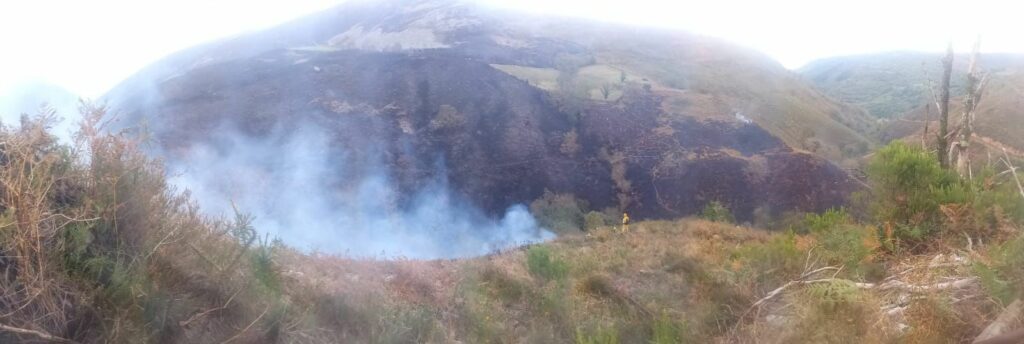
(848, 246)
(907, 188)
(561, 213)
(772, 262)
(842, 242)
(264, 270)
(994, 283)
(834, 295)
(598, 336)
(825, 222)
(666, 331)
(834, 312)
(401, 325)
(717, 212)
(1002, 277)
(912, 198)
(503, 286)
(996, 199)
(543, 265)
(594, 220)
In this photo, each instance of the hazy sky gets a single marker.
(89, 46)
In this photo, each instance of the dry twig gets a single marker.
(41, 335)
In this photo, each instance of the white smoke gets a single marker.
(304, 194)
(36, 97)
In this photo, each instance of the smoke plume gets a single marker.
(319, 197)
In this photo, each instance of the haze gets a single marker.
(88, 47)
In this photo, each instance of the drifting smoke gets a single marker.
(315, 196)
(32, 98)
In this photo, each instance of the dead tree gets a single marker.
(942, 137)
(975, 87)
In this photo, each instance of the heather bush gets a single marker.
(913, 199)
(542, 264)
(594, 220)
(717, 212)
(561, 213)
(907, 189)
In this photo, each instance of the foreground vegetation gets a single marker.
(96, 247)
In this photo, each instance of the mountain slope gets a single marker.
(890, 84)
(501, 107)
(895, 85)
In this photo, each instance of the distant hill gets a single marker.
(31, 97)
(891, 84)
(27, 98)
(999, 121)
(655, 122)
(895, 85)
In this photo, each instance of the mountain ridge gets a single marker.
(623, 116)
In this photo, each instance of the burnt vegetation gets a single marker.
(97, 247)
(744, 232)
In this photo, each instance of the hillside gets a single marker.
(434, 171)
(99, 248)
(498, 107)
(999, 122)
(27, 98)
(891, 84)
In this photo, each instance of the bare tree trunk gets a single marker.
(942, 137)
(975, 85)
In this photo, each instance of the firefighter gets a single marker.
(625, 222)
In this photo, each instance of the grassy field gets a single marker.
(543, 78)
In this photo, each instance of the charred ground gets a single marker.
(500, 137)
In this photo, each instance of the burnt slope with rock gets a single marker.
(502, 107)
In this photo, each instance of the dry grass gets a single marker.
(97, 248)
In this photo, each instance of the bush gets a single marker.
(1002, 276)
(502, 286)
(594, 220)
(824, 222)
(598, 336)
(834, 295)
(772, 262)
(561, 213)
(835, 312)
(116, 254)
(666, 331)
(851, 246)
(717, 212)
(264, 270)
(842, 241)
(995, 200)
(541, 264)
(907, 189)
(992, 280)
(912, 198)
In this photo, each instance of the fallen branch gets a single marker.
(1013, 170)
(914, 288)
(894, 284)
(772, 294)
(1002, 323)
(859, 285)
(41, 335)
